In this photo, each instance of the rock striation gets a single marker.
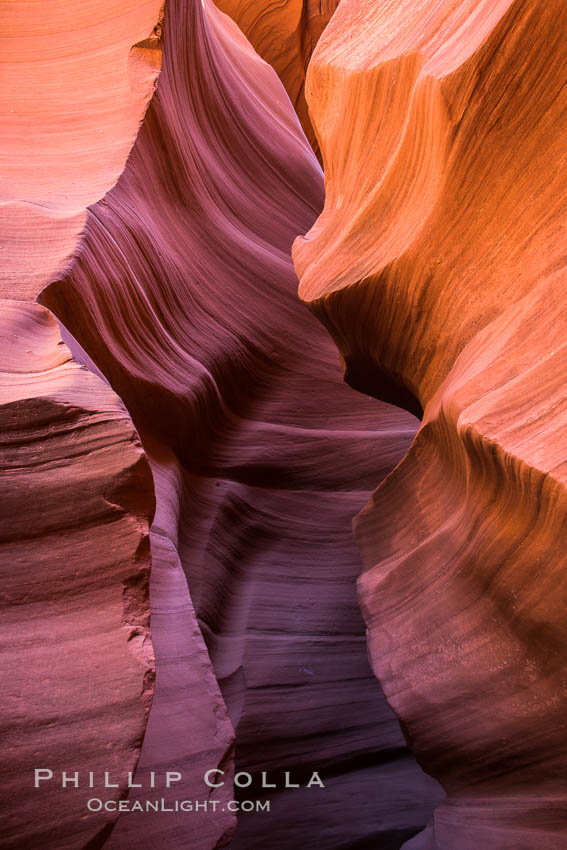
(437, 266)
(285, 34)
(184, 296)
(77, 499)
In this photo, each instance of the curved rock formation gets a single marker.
(184, 296)
(74, 554)
(76, 80)
(285, 34)
(188, 729)
(437, 266)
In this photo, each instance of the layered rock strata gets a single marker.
(438, 267)
(77, 498)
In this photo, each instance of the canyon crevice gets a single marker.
(187, 301)
(185, 445)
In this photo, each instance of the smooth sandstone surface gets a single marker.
(284, 32)
(76, 80)
(78, 668)
(184, 296)
(437, 266)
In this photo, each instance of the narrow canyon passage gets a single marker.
(185, 298)
(196, 423)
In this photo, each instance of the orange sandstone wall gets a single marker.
(437, 265)
(76, 80)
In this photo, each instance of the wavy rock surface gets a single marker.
(285, 34)
(76, 80)
(437, 266)
(184, 296)
(74, 556)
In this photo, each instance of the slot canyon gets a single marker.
(282, 424)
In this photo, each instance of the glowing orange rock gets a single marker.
(437, 265)
(76, 80)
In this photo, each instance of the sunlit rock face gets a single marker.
(285, 34)
(437, 266)
(184, 296)
(78, 670)
(76, 80)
